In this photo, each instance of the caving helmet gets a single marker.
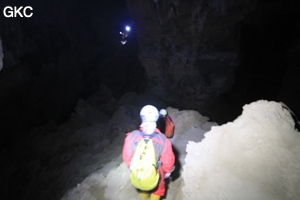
(163, 112)
(149, 113)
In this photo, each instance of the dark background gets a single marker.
(68, 50)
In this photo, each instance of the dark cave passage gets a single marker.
(268, 36)
(73, 50)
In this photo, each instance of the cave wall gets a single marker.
(268, 59)
(189, 48)
(216, 56)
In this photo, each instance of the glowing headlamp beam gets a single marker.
(127, 28)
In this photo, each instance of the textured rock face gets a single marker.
(231, 161)
(189, 48)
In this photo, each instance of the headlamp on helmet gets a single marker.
(163, 112)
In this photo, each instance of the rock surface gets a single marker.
(210, 55)
(189, 49)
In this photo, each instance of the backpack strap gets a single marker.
(135, 138)
(158, 146)
(147, 136)
(146, 139)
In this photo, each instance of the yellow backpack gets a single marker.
(144, 174)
